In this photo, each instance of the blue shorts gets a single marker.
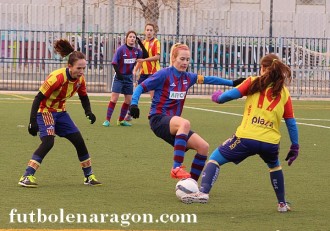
(55, 123)
(160, 125)
(124, 86)
(143, 77)
(237, 149)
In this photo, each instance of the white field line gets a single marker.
(235, 114)
(194, 108)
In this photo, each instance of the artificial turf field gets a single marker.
(134, 167)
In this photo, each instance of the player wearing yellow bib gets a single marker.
(267, 102)
(263, 114)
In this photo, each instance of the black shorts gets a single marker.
(160, 125)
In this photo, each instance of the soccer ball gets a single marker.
(186, 186)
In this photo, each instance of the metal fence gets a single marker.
(27, 57)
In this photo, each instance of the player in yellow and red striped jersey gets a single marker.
(149, 65)
(267, 102)
(49, 117)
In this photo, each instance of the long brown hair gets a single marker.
(276, 74)
(64, 48)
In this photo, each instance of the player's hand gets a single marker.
(215, 96)
(293, 154)
(238, 81)
(135, 111)
(139, 60)
(33, 127)
(91, 117)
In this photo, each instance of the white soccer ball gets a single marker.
(186, 186)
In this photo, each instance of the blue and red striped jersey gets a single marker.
(170, 87)
(125, 59)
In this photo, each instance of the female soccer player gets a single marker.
(171, 85)
(267, 102)
(149, 65)
(123, 62)
(49, 116)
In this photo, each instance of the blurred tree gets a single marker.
(150, 8)
(150, 12)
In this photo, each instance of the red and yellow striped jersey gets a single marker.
(153, 48)
(58, 88)
(263, 114)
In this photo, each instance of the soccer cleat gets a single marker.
(197, 197)
(179, 173)
(123, 123)
(28, 181)
(128, 118)
(92, 181)
(283, 207)
(106, 123)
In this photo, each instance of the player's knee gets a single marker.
(205, 148)
(274, 166)
(202, 147)
(127, 101)
(185, 124)
(217, 157)
(47, 142)
(76, 139)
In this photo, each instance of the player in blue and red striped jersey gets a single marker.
(49, 117)
(123, 62)
(171, 86)
(267, 102)
(149, 65)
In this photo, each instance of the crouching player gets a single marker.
(49, 116)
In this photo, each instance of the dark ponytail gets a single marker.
(64, 48)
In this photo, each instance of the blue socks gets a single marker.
(197, 166)
(33, 165)
(86, 164)
(210, 175)
(277, 181)
(180, 146)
